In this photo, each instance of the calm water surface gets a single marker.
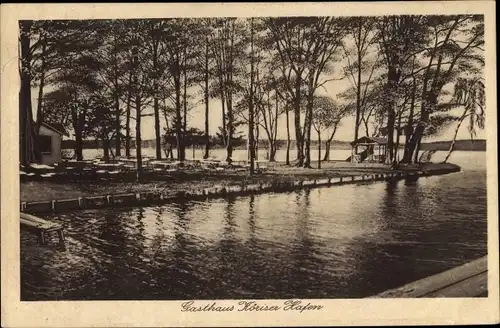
(338, 242)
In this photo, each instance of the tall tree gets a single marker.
(288, 37)
(142, 88)
(229, 45)
(324, 38)
(203, 67)
(362, 62)
(305, 48)
(26, 132)
(45, 48)
(327, 115)
(251, 101)
(469, 94)
(400, 37)
(456, 46)
(156, 28)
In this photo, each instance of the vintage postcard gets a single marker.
(249, 164)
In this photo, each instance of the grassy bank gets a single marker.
(184, 181)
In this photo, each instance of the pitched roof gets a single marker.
(56, 127)
(375, 140)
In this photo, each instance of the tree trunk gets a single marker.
(117, 94)
(178, 119)
(207, 135)
(327, 151)
(230, 126)
(358, 84)
(319, 149)
(78, 145)
(229, 88)
(308, 121)
(298, 135)
(118, 144)
(224, 127)
(127, 121)
(429, 103)
(398, 134)
(307, 140)
(392, 79)
(156, 108)
(78, 119)
(39, 110)
(171, 152)
(417, 135)
(329, 142)
(256, 142)
(230, 131)
(416, 151)
(367, 130)
(26, 128)
(452, 145)
(105, 147)
(250, 105)
(274, 130)
(138, 139)
(184, 96)
(287, 159)
(272, 153)
(409, 125)
(156, 99)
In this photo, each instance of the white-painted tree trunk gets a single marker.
(452, 146)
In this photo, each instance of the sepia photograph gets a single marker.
(253, 163)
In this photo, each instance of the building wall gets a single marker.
(55, 153)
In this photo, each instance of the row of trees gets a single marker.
(99, 77)
(408, 73)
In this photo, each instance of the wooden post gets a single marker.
(60, 234)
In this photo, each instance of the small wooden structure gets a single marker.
(42, 227)
(375, 148)
(467, 280)
(49, 142)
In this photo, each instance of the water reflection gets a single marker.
(338, 242)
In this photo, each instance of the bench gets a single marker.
(42, 227)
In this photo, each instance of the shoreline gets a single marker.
(157, 192)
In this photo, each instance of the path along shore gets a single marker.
(51, 196)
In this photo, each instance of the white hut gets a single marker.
(49, 142)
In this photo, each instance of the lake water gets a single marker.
(220, 154)
(334, 242)
(238, 154)
(335, 155)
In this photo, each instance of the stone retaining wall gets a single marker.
(150, 198)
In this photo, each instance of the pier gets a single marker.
(42, 227)
(467, 280)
